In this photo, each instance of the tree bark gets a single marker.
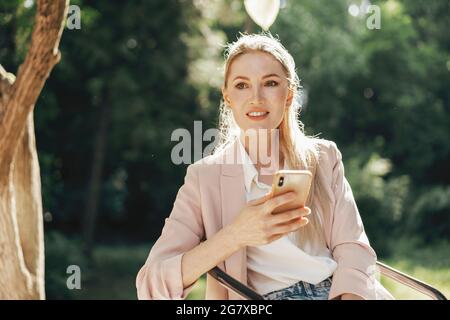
(21, 223)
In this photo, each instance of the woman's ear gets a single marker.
(225, 96)
(290, 97)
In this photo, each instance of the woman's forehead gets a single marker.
(255, 64)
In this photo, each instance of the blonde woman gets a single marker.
(222, 215)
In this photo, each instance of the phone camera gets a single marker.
(281, 181)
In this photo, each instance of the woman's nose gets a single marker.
(257, 95)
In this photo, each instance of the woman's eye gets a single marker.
(272, 83)
(240, 85)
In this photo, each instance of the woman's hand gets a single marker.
(256, 225)
(351, 296)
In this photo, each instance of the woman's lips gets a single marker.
(258, 115)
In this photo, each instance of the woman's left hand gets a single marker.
(351, 296)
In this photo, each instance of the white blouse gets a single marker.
(281, 263)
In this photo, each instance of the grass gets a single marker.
(436, 277)
(198, 292)
(113, 271)
(430, 264)
(112, 274)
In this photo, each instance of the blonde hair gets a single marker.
(299, 150)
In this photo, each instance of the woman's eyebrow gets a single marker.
(266, 76)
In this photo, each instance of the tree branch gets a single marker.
(24, 92)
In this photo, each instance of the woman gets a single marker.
(222, 214)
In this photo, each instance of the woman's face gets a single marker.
(257, 91)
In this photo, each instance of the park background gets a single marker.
(138, 70)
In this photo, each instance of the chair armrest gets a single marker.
(249, 294)
(411, 282)
(231, 283)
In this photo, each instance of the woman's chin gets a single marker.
(258, 127)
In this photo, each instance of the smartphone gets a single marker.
(298, 181)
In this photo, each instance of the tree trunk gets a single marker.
(21, 225)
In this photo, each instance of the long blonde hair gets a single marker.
(299, 150)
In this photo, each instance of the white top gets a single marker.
(281, 263)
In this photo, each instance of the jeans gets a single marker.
(302, 291)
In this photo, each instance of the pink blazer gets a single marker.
(214, 194)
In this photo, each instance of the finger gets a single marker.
(300, 212)
(261, 200)
(289, 215)
(276, 237)
(278, 201)
(291, 226)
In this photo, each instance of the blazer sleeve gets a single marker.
(350, 246)
(160, 278)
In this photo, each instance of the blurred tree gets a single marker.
(382, 92)
(118, 94)
(134, 72)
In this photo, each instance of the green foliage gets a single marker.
(383, 96)
(16, 23)
(429, 215)
(113, 272)
(60, 253)
(426, 262)
(381, 201)
(123, 59)
(110, 274)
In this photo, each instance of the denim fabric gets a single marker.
(302, 291)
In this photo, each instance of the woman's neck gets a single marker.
(263, 148)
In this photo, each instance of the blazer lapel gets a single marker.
(233, 200)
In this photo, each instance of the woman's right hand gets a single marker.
(256, 225)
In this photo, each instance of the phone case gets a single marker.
(298, 181)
